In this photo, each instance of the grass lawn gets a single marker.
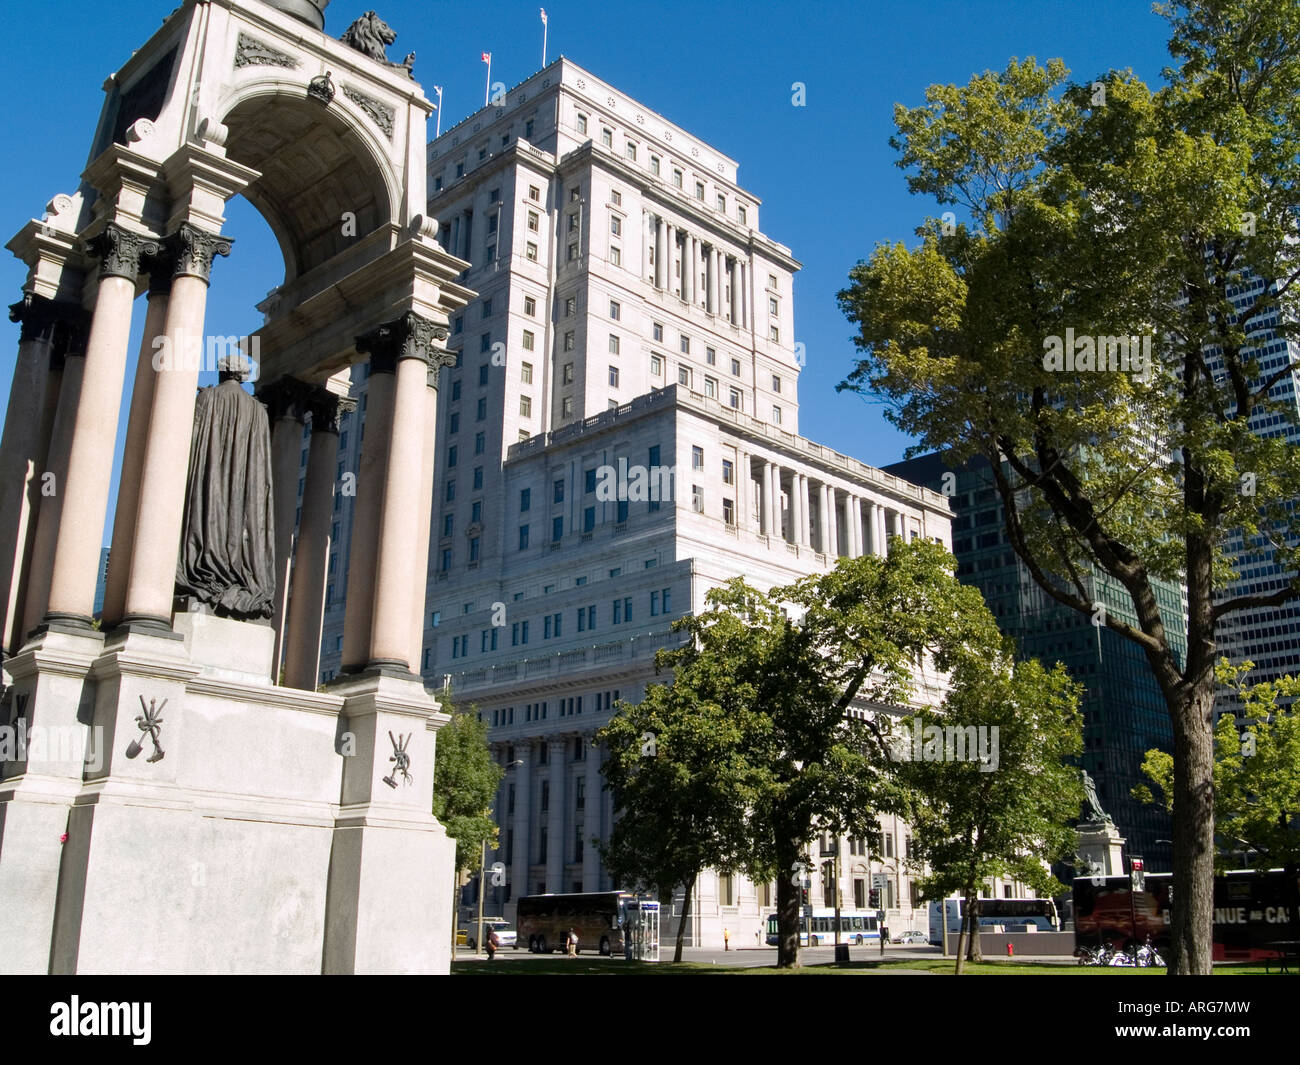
(596, 966)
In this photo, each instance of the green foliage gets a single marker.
(465, 781)
(1124, 212)
(1256, 774)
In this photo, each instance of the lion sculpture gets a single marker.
(370, 35)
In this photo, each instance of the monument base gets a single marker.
(250, 831)
(1101, 845)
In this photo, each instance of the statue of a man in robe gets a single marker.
(227, 556)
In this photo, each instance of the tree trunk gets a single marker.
(787, 909)
(1191, 932)
(686, 914)
(973, 912)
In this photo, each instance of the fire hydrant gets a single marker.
(1011, 950)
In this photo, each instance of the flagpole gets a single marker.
(544, 27)
(438, 128)
(487, 89)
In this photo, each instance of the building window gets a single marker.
(573, 253)
(613, 344)
(656, 365)
(582, 123)
(534, 193)
(686, 344)
(772, 306)
(525, 500)
(570, 340)
(613, 377)
(654, 165)
(478, 478)
(711, 356)
(697, 458)
(483, 375)
(607, 138)
(622, 610)
(530, 253)
(566, 374)
(570, 306)
(740, 214)
(699, 190)
(557, 529)
(455, 391)
(473, 548)
(684, 376)
(480, 443)
(774, 333)
(616, 225)
(451, 491)
(557, 491)
(697, 499)
(677, 177)
(776, 383)
(480, 410)
(729, 511)
(615, 310)
(451, 456)
(575, 194)
(615, 257)
(448, 525)
(735, 367)
(528, 340)
(528, 128)
(630, 152)
(490, 253)
(728, 472)
(589, 481)
(526, 373)
(534, 220)
(711, 387)
(453, 424)
(588, 519)
(525, 406)
(722, 203)
(485, 343)
(566, 407)
(735, 400)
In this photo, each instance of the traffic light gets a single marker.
(873, 899)
(803, 896)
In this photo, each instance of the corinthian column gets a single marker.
(311, 558)
(152, 583)
(404, 352)
(76, 524)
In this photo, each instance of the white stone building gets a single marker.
(629, 314)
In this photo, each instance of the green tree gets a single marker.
(1256, 778)
(465, 781)
(1113, 212)
(1007, 814)
(676, 768)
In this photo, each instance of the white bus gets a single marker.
(856, 926)
(1014, 915)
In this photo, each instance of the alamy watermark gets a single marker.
(635, 484)
(1099, 354)
(211, 353)
(70, 745)
(946, 743)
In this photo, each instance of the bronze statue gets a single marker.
(1095, 812)
(370, 35)
(227, 556)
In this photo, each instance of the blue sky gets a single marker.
(724, 71)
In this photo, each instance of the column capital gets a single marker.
(120, 251)
(59, 323)
(407, 337)
(193, 251)
(327, 409)
(285, 397)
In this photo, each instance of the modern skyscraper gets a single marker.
(1123, 710)
(619, 434)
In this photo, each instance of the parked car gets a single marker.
(505, 933)
(911, 937)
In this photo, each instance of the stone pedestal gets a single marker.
(386, 835)
(1101, 845)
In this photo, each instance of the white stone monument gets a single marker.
(190, 802)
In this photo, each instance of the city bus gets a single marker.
(856, 926)
(1252, 912)
(1013, 915)
(599, 917)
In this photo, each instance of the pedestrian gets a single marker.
(493, 942)
(726, 939)
(758, 937)
(571, 943)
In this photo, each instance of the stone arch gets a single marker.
(316, 163)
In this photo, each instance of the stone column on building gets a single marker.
(49, 330)
(851, 501)
(715, 280)
(557, 843)
(311, 557)
(695, 270)
(74, 526)
(661, 254)
(424, 519)
(521, 824)
(137, 435)
(796, 509)
(591, 808)
(882, 522)
(160, 516)
(835, 522)
(645, 245)
(285, 401)
(403, 351)
(746, 310)
(670, 253)
(805, 504)
(778, 509)
(765, 499)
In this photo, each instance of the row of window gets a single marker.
(553, 624)
(631, 151)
